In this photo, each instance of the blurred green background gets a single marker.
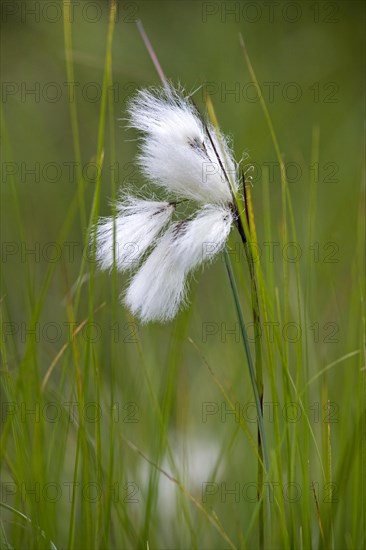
(151, 385)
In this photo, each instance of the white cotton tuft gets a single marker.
(176, 151)
(137, 224)
(201, 238)
(159, 287)
(191, 160)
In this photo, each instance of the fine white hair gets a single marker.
(192, 161)
(126, 237)
(176, 150)
(158, 289)
(201, 238)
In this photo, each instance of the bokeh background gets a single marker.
(152, 387)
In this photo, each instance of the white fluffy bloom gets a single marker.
(137, 224)
(200, 239)
(159, 287)
(176, 151)
(182, 154)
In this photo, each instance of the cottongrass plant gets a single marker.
(191, 160)
(186, 157)
(39, 377)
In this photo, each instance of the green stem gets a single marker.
(73, 107)
(249, 358)
(259, 380)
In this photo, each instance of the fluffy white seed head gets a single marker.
(137, 225)
(158, 289)
(176, 151)
(189, 159)
(200, 239)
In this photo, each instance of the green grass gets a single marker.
(118, 436)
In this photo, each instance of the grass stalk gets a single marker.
(244, 224)
(248, 354)
(258, 351)
(67, 18)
